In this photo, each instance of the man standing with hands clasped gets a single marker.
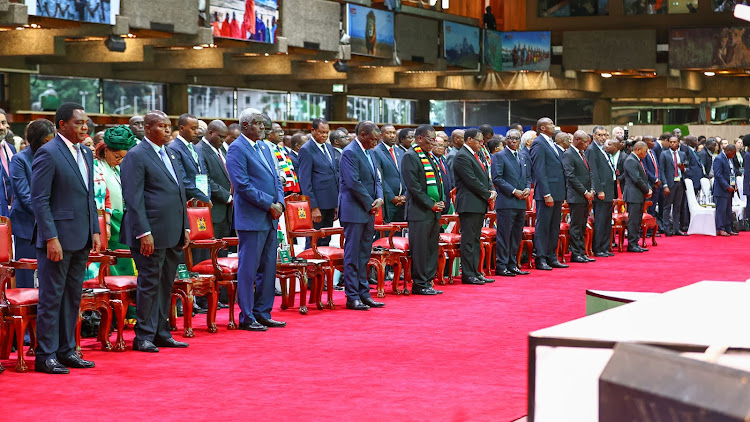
(635, 193)
(360, 198)
(62, 197)
(580, 192)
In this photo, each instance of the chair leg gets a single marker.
(231, 292)
(213, 306)
(286, 287)
(302, 275)
(31, 328)
(329, 285)
(6, 338)
(104, 325)
(653, 235)
(78, 335)
(120, 310)
(440, 268)
(173, 310)
(20, 324)
(187, 315)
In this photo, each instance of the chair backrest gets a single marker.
(6, 241)
(739, 182)
(102, 229)
(453, 195)
(199, 218)
(690, 192)
(297, 215)
(379, 216)
(705, 186)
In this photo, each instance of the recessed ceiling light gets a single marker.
(709, 73)
(606, 75)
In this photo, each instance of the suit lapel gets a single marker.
(216, 158)
(69, 158)
(155, 157)
(387, 154)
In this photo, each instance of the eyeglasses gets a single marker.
(517, 138)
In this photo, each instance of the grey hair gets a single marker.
(529, 134)
(513, 132)
(248, 115)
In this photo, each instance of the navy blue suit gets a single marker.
(509, 174)
(22, 214)
(651, 164)
(360, 187)
(448, 182)
(154, 202)
(221, 190)
(8, 194)
(295, 160)
(673, 201)
(64, 208)
(549, 179)
(319, 180)
(256, 187)
(723, 176)
(189, 168)
(392, 184)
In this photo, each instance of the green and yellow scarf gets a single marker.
(432, 187)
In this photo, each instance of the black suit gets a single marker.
(579, 180)
(634, 193)
(509, 174)
(472, 196)
(619, 161)
(424, 223)
(154, 202)
(549, 179)
(602, 174)
(707, 161)
(221, 192)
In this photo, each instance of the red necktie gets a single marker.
(656, 167)
(442, 167)
(642, 166)
(584, 160)
(393, 155)
(480, 162)
(5, 158)
(676, 170)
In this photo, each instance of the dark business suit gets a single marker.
(618, 162)
(392, 185)
(723, 177)
(424, 223)
(221, 191)
(448, 183)
(693, 171)
(319, 180)
(155, 203)
(6, 183)
(746, 180)
(673, 201)
(64, 208)
(472, 199)
(295, 160)
(651, 164)
(22, 213)
(256, 188)
(549, 179)
(337, 156)
(738, 166)
(524, 152)
(602, 175)
(579, 179)
(508, 174)
(360, 187)
(189, 168)
(634, 194)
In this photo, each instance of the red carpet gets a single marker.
(459, 356)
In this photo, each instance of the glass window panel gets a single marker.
(564, 8)
(306, 107)
(641, 7)
(726, 6)
(122, 97)
(447, 113)
(494, 113)
(527, 112)
(399, 111)
(363, 108)
(209, 101)
(48, 92)
(271, 103)
(574, 112)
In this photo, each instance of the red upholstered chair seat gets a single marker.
(647, 217)
(564, 226)
(18, 297)
(27, 260)
(227, 265)
(529, 230)
(450, 238)
(620, 216)
(489, 232)
(325, 251)
(401, 243)
(113, 282)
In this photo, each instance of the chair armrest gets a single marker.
(445, 219)
(231, 241)
(399, 224)
(100, 258)
(119, 253)
(208, 244)
(24, 265)
(328, 231)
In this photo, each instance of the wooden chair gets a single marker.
(298, 220)
(449, 244)
(648, 222)
(223, 269)
(489, 240)
(564, 238)
(588, 236)
(619, 222)
(398, 243)
(17, 305)
(527, 237)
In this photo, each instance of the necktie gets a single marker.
(223, 161)
(442, 167)
(325, 152)
(167, 163)
(393, 155)
(369, 159)
(584, 160)
(480, 161)
(676, 170)
(82, 165)
(4, 158)
(195, 156)
(653, 160)
(262, 157)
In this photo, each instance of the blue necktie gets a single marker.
(367, 154)
(167, 163)
(82, 165)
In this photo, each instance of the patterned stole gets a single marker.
(432, 187)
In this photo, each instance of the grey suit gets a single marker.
(634, 193)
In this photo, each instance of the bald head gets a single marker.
(545, 126)
(457, 136)
(580, 139)
(157, 127)
(640, 149)
(216, 133)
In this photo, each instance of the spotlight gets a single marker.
(742, 11)
(115, 43)
(606, 75)
(341, 66)
(709, 73)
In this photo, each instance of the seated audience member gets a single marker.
(724, 188)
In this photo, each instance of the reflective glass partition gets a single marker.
(399, 111)
(565, 8)
(481, 112)
(207, 101)
(123, 97)
(574, 112)
(527, 112)
(48, 92)
(447, 113)
(363, 108)
(271, 103)
(504, 112)
(306, 107)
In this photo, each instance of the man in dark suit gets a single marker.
(457, 136)
(319, 178)
(425, 200)
(406, 138)
(7, 151)
(388, 159)
(706, 157)
(438, 153)
(156, 229)
(218, 179)
(635, 193)
(298, 139)
(672, 167)
(473, 193)
(360, 198)
(580, 192)
(62, 198)
(724, 188)
(339, 140)
(549, 193)
(651, 165)
(694, 170)
(604, 178)
(258, 204)
(510, 175)
(191, 166)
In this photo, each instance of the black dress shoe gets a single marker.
(472, 280)
(276, 292)
(426, 291)
(558, 264)
(338, 287)
(271, 323)
(50, 366)
(485, 279)
(170, 342)
(356, 305)
(610, 254)
(601, 255)
(504, 273)
(221, 305)
(254, 326)
(578, 258)
(734, 233)
(145, 346)
(589, 259)
(518, 271)
(680, 233)
(542, 265)
(199, 310)
(74, 361)
(634, 249)
(371, 303)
